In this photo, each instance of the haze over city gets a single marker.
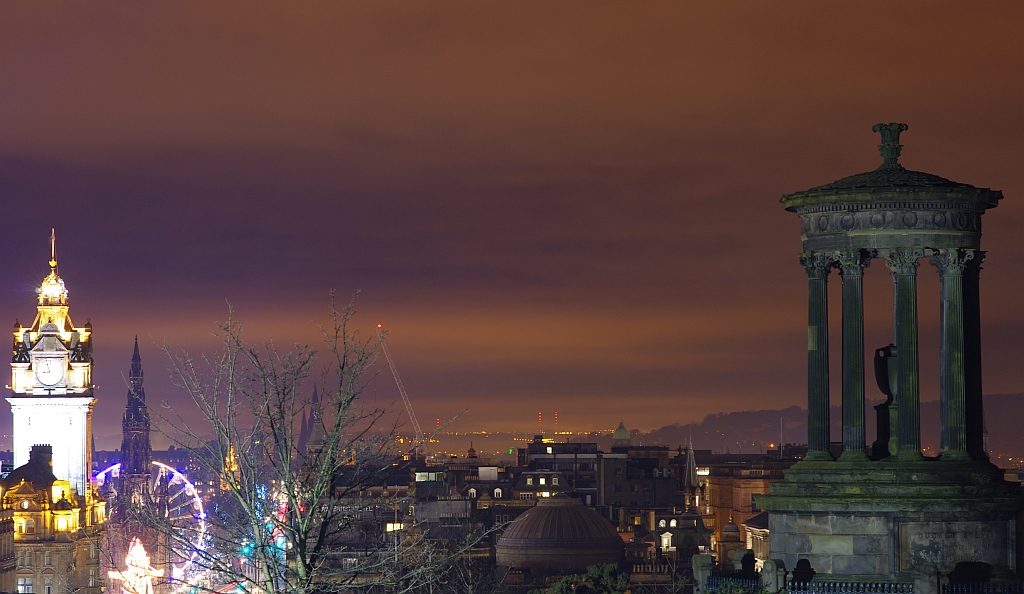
(567, 207)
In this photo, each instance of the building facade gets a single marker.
(58, 534)
(55, 512)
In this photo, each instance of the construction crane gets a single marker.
(401, 388)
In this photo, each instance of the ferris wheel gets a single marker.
(184, 511)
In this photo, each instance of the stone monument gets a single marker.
(902, 516)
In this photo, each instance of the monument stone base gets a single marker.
(895, 521)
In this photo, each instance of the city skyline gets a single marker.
(552, 209)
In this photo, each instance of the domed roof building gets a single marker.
(621, 436)
(559, 534)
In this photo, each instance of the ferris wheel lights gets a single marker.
(195, 533)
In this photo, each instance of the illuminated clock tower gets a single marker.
(51, 384)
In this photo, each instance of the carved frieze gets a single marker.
(890, 219)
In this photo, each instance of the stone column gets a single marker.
(903, 264)
(950, 264)
(974, 414)
(817, 265)
(852, 265)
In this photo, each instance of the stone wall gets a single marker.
(888, 545)
(848, 544)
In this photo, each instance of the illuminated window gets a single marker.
(25, 585)
(661, 523)
(529, 480)
(549, 449)
(554, 480)
(497, 493)
(672, 523)
(543, 481)
(472, 493)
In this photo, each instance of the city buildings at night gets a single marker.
(567, 216)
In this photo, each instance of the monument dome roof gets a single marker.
(621, 432)
(559, 533)
(890, 178)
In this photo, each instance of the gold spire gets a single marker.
(53, 249)
(52, 290)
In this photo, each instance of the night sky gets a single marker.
(552, 206)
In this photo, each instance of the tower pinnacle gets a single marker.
(53, 249)
(52, 291)
(135, 376)
(136, 452)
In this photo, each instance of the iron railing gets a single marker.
(985, 588)
(850, 588)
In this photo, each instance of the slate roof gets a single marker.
(37, 471)
(760, 521)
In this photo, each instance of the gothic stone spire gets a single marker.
(136, 452)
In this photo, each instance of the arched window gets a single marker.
(497, 493)
(661, 523)
(672, 523)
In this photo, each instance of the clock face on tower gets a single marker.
(49, 371)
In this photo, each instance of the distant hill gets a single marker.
(754, 430)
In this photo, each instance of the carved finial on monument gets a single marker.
(890, 147)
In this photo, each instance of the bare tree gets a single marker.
(287, 517)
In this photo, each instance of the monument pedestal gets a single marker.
(894, 520)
